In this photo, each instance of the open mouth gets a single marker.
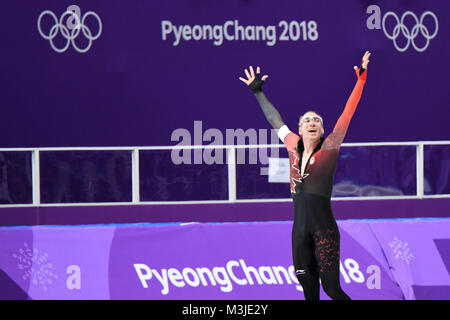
(312, 130)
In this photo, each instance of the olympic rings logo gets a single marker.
(74, 32)
(410, 35)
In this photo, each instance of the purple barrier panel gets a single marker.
(57, 262)
(15, 177)
(218, 261)
(16, 261)
(85, 176)
(437, 169)
(436, 292)
(230, 261)
(359, 233)
(163, 180)
(417, 251)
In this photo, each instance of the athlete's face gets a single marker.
(311, 126)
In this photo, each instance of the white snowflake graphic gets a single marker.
(35, 266)
(401, 250)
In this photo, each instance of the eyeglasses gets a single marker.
(315, 119)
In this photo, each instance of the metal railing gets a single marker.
(231, 164)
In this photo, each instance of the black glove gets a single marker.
(361, 70)
(257, 83)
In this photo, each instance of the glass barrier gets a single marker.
(437, 169)
(85, 176)
(252, 181)
(16, 185)
(361, 172)
(375, 171)
(163, 180)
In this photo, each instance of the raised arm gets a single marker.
(255, 82)
(337, 136)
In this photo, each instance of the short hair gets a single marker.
(299, 119)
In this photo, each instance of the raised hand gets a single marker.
(254, 81)
(365, 59)
(364, 63)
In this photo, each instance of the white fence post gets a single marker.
(419, 170)
(231, 162)
(36, 178)
(135, 175)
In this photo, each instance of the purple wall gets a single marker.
(134, 88)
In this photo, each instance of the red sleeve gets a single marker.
(291, 141)
(335, 139)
